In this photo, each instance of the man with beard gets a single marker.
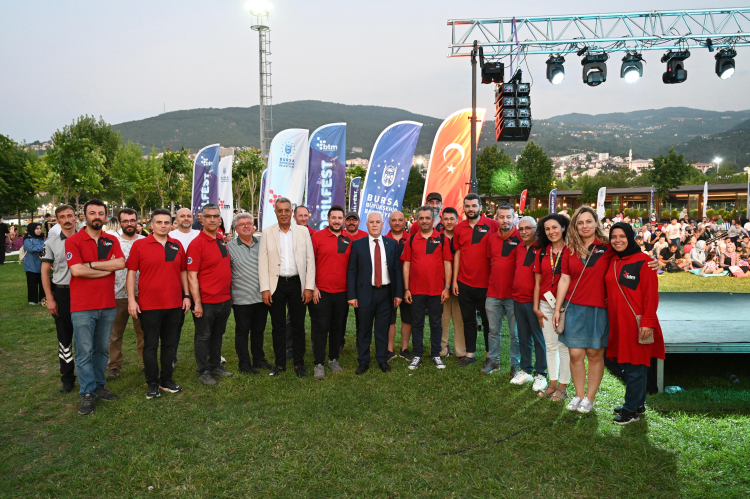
(435, 202)
(397, 223)
(58, 299)
(329, 308)
(351, 224)
(128, 220)
(471, 272)
(501, 252)
(451, 309)
(93, 257)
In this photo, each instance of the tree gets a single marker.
(589, 189)
(495, 172)
(567, 183)
(122, 181)
(175, 166)
(414, 189)
(145, 178)
(16, 179)
(247, 170)
(100, 134)
(667, 173)
(535, 171)
(77, 165)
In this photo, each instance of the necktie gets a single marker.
(378, 265)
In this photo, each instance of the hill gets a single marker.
(731, 145)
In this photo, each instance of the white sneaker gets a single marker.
(223, 360)
(540, 383)
(415, 363)
(586, 405)
(438, 362)
(573, 405)
(521, 377)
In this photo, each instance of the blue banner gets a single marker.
(326, 175)
(262, 202)
(651, 203)
(355, 194)
(552, 201)
(205, 178)
(388, 173)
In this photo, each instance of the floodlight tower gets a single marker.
(259, 10)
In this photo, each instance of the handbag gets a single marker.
(561, 322)
(648, 340)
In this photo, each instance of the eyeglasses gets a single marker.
(238, 226)
(524, 229)
(128, 222)
(211, 216)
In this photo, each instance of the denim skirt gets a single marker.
(585, 327)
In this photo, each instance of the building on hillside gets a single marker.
(357, 162)
(704, 167)
(560, 172)
(639, 164)
(591, 171)
(603, 156)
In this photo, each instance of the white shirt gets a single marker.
(286, 253)
(383, 263)
(55, 231)
(185, 238)
(121, 275)
(673, 231)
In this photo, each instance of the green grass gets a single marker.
(453, 433)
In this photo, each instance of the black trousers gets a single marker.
(422, 305)
(34, 287)
(177, 339)
(64, 326)
(328, 325)
(343, 325)
(472, 300)
(288, 294)
(377, 313)
(209, 331)
(162, 324)
(250, 321)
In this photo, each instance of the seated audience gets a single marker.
(711, 267)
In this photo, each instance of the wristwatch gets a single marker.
(447, 287)
(187, 296)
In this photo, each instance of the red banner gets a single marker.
(449, 172)
(523, 202)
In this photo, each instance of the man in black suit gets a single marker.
(375, 287)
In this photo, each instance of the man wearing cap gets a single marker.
(351, 230)
(435, 202)
(397, 223)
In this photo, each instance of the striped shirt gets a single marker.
(244, 261)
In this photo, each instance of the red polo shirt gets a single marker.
(401, 242)
(159, 283)
(524, 279)
(474, 267)
(426, 257)
(353, 237)
(210, 258)
(591, 291)
(415, 227)
(91, 294)
(501, 250)
(543, 265)
(331, 260)
(310, 230)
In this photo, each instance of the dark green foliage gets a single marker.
(16, 177)
(414, 189)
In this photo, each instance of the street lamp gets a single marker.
(717, 161)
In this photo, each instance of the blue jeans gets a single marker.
(528, 330)
(635, 386)
(497, 309)
(91, 330)
(677, 242)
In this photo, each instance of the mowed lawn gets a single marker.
(454, 433)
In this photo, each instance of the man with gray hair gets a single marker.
(501, 252)
(250, 313)
(210, 279)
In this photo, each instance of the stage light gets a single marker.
(259, 7)
(675, 72)
(594, 68)
(632, 67)
(493, 72)
(725, 63)
(555, 69)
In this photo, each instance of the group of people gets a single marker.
(565, 289)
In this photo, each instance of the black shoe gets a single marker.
(300, 371)
(641, 410)
(219, 371)
(290, 354)
(465, 361)
(362, 369)
(170, 386)
(263, 364)
(626, 417)
(406, 354)
(66, 388)
(385, 367)
(153, 391)
(390, 356)
(86, 406)
(276, 371)
(105, 394)
(248, 370)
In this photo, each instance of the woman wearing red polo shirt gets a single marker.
(635, 335)
(548, 268)
(581, 291)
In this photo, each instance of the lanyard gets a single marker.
(553, 263)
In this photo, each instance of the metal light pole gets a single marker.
(474, 184)
(260, 11)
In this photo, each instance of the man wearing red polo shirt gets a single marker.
(302, 217)
(210, 279)
(435, 202)
(93, 258)
(427, 278)
(397, 223)
(163, 297)
(471, 271)
(501, 252)
(329, 308)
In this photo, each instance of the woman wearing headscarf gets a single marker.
(33, 244)
(728, 257)
(698, 254)
(635, 336)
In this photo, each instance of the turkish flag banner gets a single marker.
(449, 172)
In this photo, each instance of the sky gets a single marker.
(130, 60)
